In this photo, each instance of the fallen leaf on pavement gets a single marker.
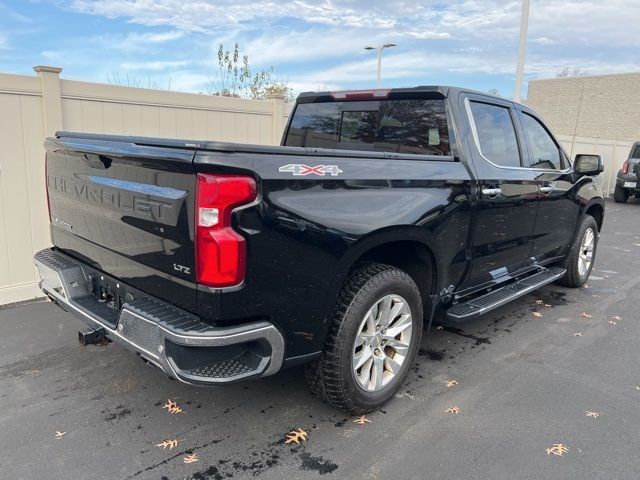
(191, 458)
(557, 449)
(296, 435)
(537, 314)
(362, 420)
(577, 334)
(60, 434)
(452, 383)
(168, 443)
(612, 322)
(586, 315)
(172, 407)
(539, 302)
(592, 414)
(616, 317)
(454, 410)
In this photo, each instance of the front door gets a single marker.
(558, 207)
(507, 193)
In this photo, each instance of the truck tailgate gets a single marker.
(127, 209)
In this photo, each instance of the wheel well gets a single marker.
(412, 257)
(597, 212)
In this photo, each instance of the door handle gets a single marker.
(546, 190)
(491, 192)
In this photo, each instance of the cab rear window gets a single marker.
(402, 126)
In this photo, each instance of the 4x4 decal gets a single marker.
(300, 170)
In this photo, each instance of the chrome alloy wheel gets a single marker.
(586, 251)
(382, 343)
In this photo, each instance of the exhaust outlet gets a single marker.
(89, 336)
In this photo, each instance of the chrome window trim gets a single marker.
(476, 139)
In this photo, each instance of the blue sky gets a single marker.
(318, 45)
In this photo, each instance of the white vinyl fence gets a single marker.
(33, 107)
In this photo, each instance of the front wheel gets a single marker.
(372, 342)
(579, 261)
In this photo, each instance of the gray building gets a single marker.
(602, 106)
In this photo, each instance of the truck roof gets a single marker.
(423, 91)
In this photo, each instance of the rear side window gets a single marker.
(402, 126)
(496, 134)
(635, 151)
(544, 151)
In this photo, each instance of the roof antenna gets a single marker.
(575, 128)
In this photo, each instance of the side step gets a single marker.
(485, 303)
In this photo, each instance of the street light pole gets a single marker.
(379, 50)
(524, 23)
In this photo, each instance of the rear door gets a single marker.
(507, 192)
(126, 209)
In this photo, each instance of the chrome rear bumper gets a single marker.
(175, 341)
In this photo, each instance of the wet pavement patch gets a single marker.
(462, 333)
(319, 464)
(431, 354)
(120, 412)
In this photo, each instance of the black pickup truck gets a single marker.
(219, 262)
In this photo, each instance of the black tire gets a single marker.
(620, 195)
(331, 376)
(573, 278)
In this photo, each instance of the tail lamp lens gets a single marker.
(220, 250)
(625, 167)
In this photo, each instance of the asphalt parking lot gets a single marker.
(524, 383)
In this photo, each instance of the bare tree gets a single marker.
(567, 72)
(234, 78)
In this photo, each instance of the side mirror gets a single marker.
(588, 164)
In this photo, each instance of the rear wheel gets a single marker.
(579, 261)
(372, 341)
(620, 195)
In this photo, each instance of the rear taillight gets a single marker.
(625, 167)
(220, 251)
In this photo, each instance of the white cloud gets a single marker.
(155, 66)
(203, 14)
(135, 41)
(426, 35)
(543, 41)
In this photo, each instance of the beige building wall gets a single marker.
(592, 114)
(603, 106)
(33, 107)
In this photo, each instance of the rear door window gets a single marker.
(496, 134)
(403, 126)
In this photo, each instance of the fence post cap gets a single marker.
(46, 69)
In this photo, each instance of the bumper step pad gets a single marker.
(477, 306)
